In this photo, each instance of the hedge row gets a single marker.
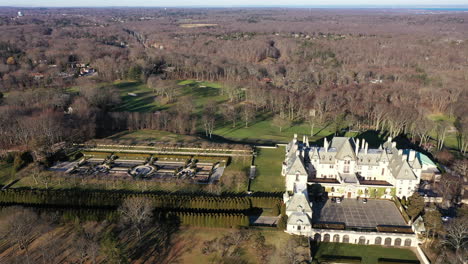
(212, 219)
(80, 198)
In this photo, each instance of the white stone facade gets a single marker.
(349, 169)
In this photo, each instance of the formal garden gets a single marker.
(365, 254)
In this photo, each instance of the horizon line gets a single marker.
(331, 6)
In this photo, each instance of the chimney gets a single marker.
(389, 139)
(298, 153)
(303, 139)
(412, 155)
(400, 152)
(325, 144)
(307, 142)
(365, 148)
(393, 144)
(357, 146)
(404, 157)
(295, 138)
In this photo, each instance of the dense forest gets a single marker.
(70, 75)
(361, 69)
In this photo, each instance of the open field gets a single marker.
(369, 254)
(262, 131)
(268, 178)
(138, 97)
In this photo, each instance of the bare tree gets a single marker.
(21, 228)
(248, 114)
(456, 237)
(209, 118)
(137, 212)
(280, 122)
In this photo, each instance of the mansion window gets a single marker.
(347, 162)
(331, 166)
(383, 171)
(297, 177)
(298, 227)
(374, 178)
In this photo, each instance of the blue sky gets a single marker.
(180, 3)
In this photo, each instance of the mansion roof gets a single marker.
(400, 164)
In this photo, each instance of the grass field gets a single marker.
(268, 178)
(6, 173)
(262, 131)
(451, 139)
(138, 97)
(369, 254)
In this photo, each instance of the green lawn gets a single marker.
(6, 173)
(369, 254)
(268, 178)
(144, 101)
(451, 139)
(147, 101)
(262, 131)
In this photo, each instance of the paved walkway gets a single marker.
(264, 220)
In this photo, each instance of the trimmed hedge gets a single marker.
(83, 198)
(394, 261)
(212, 219)
(401, 208)
(340, 259)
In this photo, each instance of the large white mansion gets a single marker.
(348, 168)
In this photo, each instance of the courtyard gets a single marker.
(355, 213)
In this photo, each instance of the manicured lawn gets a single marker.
(262, 131)
(451, 140)
(147, 101)
(144, 101)
(268, 178)
(369, 254)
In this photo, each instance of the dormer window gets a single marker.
(299, 208)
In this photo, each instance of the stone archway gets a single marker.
(388, 241)
(345, 239)
(362, 240)
(326, 238)
(336, 238)
(398, 242)
(317, 237)
(407, 242)
(378, 241)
